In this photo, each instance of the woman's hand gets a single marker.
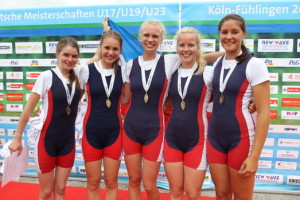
(16, 145)
(106, 27)
(249, 167)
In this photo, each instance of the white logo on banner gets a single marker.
(290, 114)
(273, 77)
(264, 164)
(293, 180)
(275, 45)
(29, 47)
(208, 45)
(249, 44)
(267, 153)
(51, 47)
(14, 75)
(88, 46)
(268, 179)
(284, 129)
(290, 89)
(1, 75)
(269, 142)
(287, 154)
(274, 89)
(14, 107)
(168, 45)
(32, 75)
(14, 86)
(6, 48)
(291, 77)
(286, 165)
(273, 102)
(288, 142)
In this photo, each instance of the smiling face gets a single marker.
(231, 37)
(187, 48)
(151, 38)
(110, 51)
(67, 58)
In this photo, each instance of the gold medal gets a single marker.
(108, 102)
(221, 99)
(182, 104)
(146, 98)
(68, 110)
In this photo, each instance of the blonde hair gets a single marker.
(162, 29)
(199, 58)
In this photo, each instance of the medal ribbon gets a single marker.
(189, 77)
(112, 80)
(222, 81)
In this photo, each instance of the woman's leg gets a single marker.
(242, 187)
(193, 181)
(111, 172)
(134, 169)
(46, 182)
(61, 177)
(150, 173)
(221, 178)
(93, 174)
(175, 175)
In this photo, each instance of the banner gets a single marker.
(28, 38)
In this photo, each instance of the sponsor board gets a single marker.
(284, 142)
(14, 107)
(1, 75)
(273, 114)
(249, 43)
(1, 86)
(298, 45)
(284, 129)
(1, 107)
(32, 75)
(1, 96)
(88, 46)
(123, 173)
(14, 75)
(35, 62)
(295, 115)
(286, 165)
(208, 45)
(2, 141)
(31, 154)
(273, 77)
(287, 154)
(11, 132)
(274, 102)
(14, 86)
(290, 102)
(290, 89)
(28, 47)
(6, 48)
(29, 86)
(273, 89)
(291, 77)
(281, 62)
(275, 45)
(162, 177)
(168, 45)
(78, 156)
(14, 96)
(264, 164)
(51, 47)
(268, 179)
(81, 170)
(2, 131)
(266, 153)
(269, 142)
(293, 180)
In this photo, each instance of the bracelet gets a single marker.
(16, 134)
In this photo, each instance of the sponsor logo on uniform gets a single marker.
(275, 45)
(268, 179)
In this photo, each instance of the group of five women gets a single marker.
(230, 142)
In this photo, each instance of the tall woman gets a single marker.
(185, 144)
(55, 145)
(101, 140)
(234, 141)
